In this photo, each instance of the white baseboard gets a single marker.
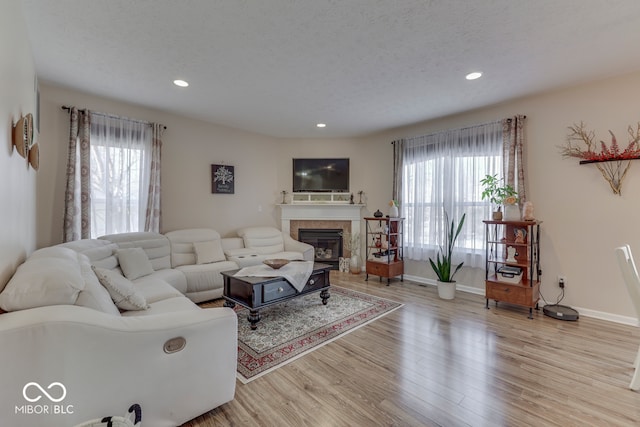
(616, 318)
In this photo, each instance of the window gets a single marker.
(441, 173)
(120, 163)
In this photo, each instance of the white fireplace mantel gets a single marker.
(320, 211)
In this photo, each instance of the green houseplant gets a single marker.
(442, 265)
(496, 191)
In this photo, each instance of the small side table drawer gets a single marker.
(276, 290)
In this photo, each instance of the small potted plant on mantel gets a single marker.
(497, 193)
(442, 266)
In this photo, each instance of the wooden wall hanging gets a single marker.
(612, 162)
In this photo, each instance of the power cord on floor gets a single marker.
(560, 297)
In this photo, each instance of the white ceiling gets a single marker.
(278, 67)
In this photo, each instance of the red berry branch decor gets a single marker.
(612, 162)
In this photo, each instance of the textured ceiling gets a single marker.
(278, 67)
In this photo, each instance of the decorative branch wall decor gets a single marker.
(612, 163)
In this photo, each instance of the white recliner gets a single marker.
(255, 244)
(198, 254)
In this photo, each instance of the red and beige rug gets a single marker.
(296, 327)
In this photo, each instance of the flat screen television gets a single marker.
(321, 175)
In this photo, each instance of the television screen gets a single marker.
(320, 175)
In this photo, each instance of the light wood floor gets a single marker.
(448, 363)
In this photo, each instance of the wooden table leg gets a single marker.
(324, 294)
(254, 317)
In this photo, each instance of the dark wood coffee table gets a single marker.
(255, 293)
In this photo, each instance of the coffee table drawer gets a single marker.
(316, 281)
(276, 290)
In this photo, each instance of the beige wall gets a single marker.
(583, 220)
(17, 180)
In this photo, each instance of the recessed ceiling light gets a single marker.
(474, 75)
(321, 125)
(180, 83)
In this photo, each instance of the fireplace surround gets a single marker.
(317, 216)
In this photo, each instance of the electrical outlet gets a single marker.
(562, 281)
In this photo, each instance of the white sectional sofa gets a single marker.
(113, 322)
(64, 334)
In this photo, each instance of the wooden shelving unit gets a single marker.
(384, 247)
(513, 244)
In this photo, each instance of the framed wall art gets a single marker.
(222, 179)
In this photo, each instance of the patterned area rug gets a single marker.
(296, 327)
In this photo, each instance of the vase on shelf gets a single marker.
(393, 212)
(512, 212)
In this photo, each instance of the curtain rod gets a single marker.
(468, 127)
(113, 116)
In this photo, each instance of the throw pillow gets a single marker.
(134, 262)
(208, 252)
(121, 289)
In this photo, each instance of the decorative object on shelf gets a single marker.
(442, 267)
(276, 263)
(527, 211)
(34, 156)
(511, 209)
(393, 209)
(351, 199)
(360, 193)
(511, 254)
(284, 194)
(222, 179)
(520, 234)
(497, 193)
(378, 214)
(612, 162)
(22, 137)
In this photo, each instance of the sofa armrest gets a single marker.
(292, 245)
(107, 363)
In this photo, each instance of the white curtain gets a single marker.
(441, 173)
(120, 169)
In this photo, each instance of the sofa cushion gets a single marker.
(206, 276)
(121, 289)
(155, 245)
(264, 240)
(170, 305)
(134, 263)
(101, 253)
(50, 276)
(171, 276)
(184, 242)
(156, 290)
(208, 252)
(94, 295)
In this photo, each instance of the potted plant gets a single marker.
(497, 192)
(442, 266)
